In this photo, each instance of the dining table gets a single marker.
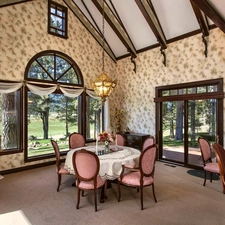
(110, 162)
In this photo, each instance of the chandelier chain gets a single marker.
(103, 36)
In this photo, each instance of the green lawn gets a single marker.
(56, 128)
(41, 146)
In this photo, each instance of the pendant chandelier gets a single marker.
(103, 85)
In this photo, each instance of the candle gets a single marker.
(96, 147)
(116, 147)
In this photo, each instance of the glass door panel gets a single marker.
(173, 131)
(201, 122)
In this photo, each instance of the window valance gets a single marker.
(36, 89)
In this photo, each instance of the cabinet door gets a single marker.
(137, 142)
(129, 140)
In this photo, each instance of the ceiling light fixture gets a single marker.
(103, 85)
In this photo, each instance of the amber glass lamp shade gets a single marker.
(103, 86)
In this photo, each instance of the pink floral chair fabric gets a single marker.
(59, 167)
(86, 166)
(220, 156)
(208, 165)
(148, 142)
(142, 177)
(76, 140)
(120, 140)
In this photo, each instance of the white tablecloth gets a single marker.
(111, 163)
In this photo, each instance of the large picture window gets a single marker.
(10, 121)
(57, 105)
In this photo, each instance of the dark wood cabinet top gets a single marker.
(135, 134)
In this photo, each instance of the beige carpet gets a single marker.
(182, 200)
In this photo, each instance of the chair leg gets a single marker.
(223, 184)
(141, 196)
(78, 198)
(204, 178)
(153, 191)
(119, 192)
(105, 190)
(59, 181)
(211, 177)
(95, 196)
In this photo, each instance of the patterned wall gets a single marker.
(24, 34)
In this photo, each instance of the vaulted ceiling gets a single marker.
(133, 26)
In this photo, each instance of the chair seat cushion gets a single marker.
(89, 185)
(62, 170)
(212, 167)
(133, 179)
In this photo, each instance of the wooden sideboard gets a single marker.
(135, 140)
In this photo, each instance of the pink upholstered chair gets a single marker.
(120, 140)
(76, 140)
(86, 166)
(59, 167)
(142, 177)
(220, 156)
(208, 165)
(148, 142)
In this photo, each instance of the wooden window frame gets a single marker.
(63, 9)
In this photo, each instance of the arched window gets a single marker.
(56, 104)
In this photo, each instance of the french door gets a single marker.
(184, 115)
(179, 129)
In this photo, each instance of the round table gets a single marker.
(110, 163)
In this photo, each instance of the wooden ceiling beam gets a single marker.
(4, 3)
(211, 12)
(83, 19)
(150, 16)
(201, 18)
(203, 24)
(116, 26)
(152, 20)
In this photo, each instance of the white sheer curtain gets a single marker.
(107, 126)
(9, 87)
(92, 94)
(72, 92)
(41, 90)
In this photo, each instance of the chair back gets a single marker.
(148, 142)
(57, 153)
(220, 157)
(205, 150)
(120, 140)
(76, 140)
(86, 165)
(147, 160)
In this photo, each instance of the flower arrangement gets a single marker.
(106, 137)
(117, 115)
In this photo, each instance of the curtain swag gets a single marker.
(69, 92)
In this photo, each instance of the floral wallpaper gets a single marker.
(186, 62)
(24, 34)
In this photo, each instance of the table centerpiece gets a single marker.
(106, 138)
